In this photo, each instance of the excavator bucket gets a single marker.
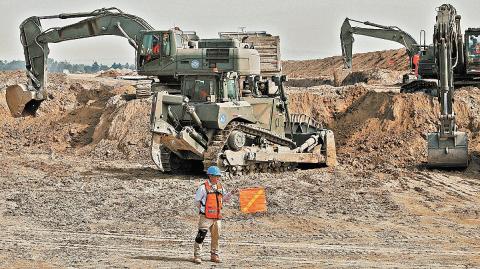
(449, 152)
(20, 101)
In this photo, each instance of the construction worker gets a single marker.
(209, 199)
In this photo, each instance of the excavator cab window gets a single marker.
(150, 49)
(179, 40)
(473, 49)
(155, 46)
(166, 44)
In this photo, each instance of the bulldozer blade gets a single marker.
(20, 101)
(449, 152)
(156, 152)
(331, 151)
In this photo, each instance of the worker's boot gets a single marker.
(215, 258)
(197, 260)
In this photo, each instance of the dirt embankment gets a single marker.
(396, 60)
(379, 67)
(377, 130)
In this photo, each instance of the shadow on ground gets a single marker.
(160, 258)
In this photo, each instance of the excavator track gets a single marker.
(213, 154)
(425, 86)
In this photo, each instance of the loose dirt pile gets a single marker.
(114, 73)
(383, 130)
(372, 77)
(380, 67)
(81, 117)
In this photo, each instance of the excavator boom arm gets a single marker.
(100, 22)
(25, 99)
(447, 147)
(445, 40)
(391, 33)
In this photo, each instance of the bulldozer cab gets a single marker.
(211, 88)
(472, 37)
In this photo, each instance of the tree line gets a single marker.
(63, 66)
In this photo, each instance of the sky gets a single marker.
(308, 29)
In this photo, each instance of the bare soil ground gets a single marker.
(77, 188)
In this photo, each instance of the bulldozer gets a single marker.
(237, 119)
(217, 101)
(240, 133)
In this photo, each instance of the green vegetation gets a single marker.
(61, 66)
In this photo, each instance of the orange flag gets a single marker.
(253, 200)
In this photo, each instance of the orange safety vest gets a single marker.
(213, 203)
(156, 49)
(415, 61)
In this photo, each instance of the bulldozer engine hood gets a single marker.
(219, 115)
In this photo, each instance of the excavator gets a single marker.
(214, 101)
(447, 147)
(417, 52)
(392, 33)
(423, 73)
(162, 55)
(26, 99)
(450, 61)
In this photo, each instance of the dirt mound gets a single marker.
(324, 103)
(85, 117)
(373, 76)
(381, 130)
(113, 73)
(309, 82)
(389, 59)
(123, 129)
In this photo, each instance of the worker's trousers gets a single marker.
(214, 226)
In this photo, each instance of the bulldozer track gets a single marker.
(212, 156)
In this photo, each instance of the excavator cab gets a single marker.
(156, 47)
(472, 43)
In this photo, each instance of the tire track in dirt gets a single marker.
(52, 238)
